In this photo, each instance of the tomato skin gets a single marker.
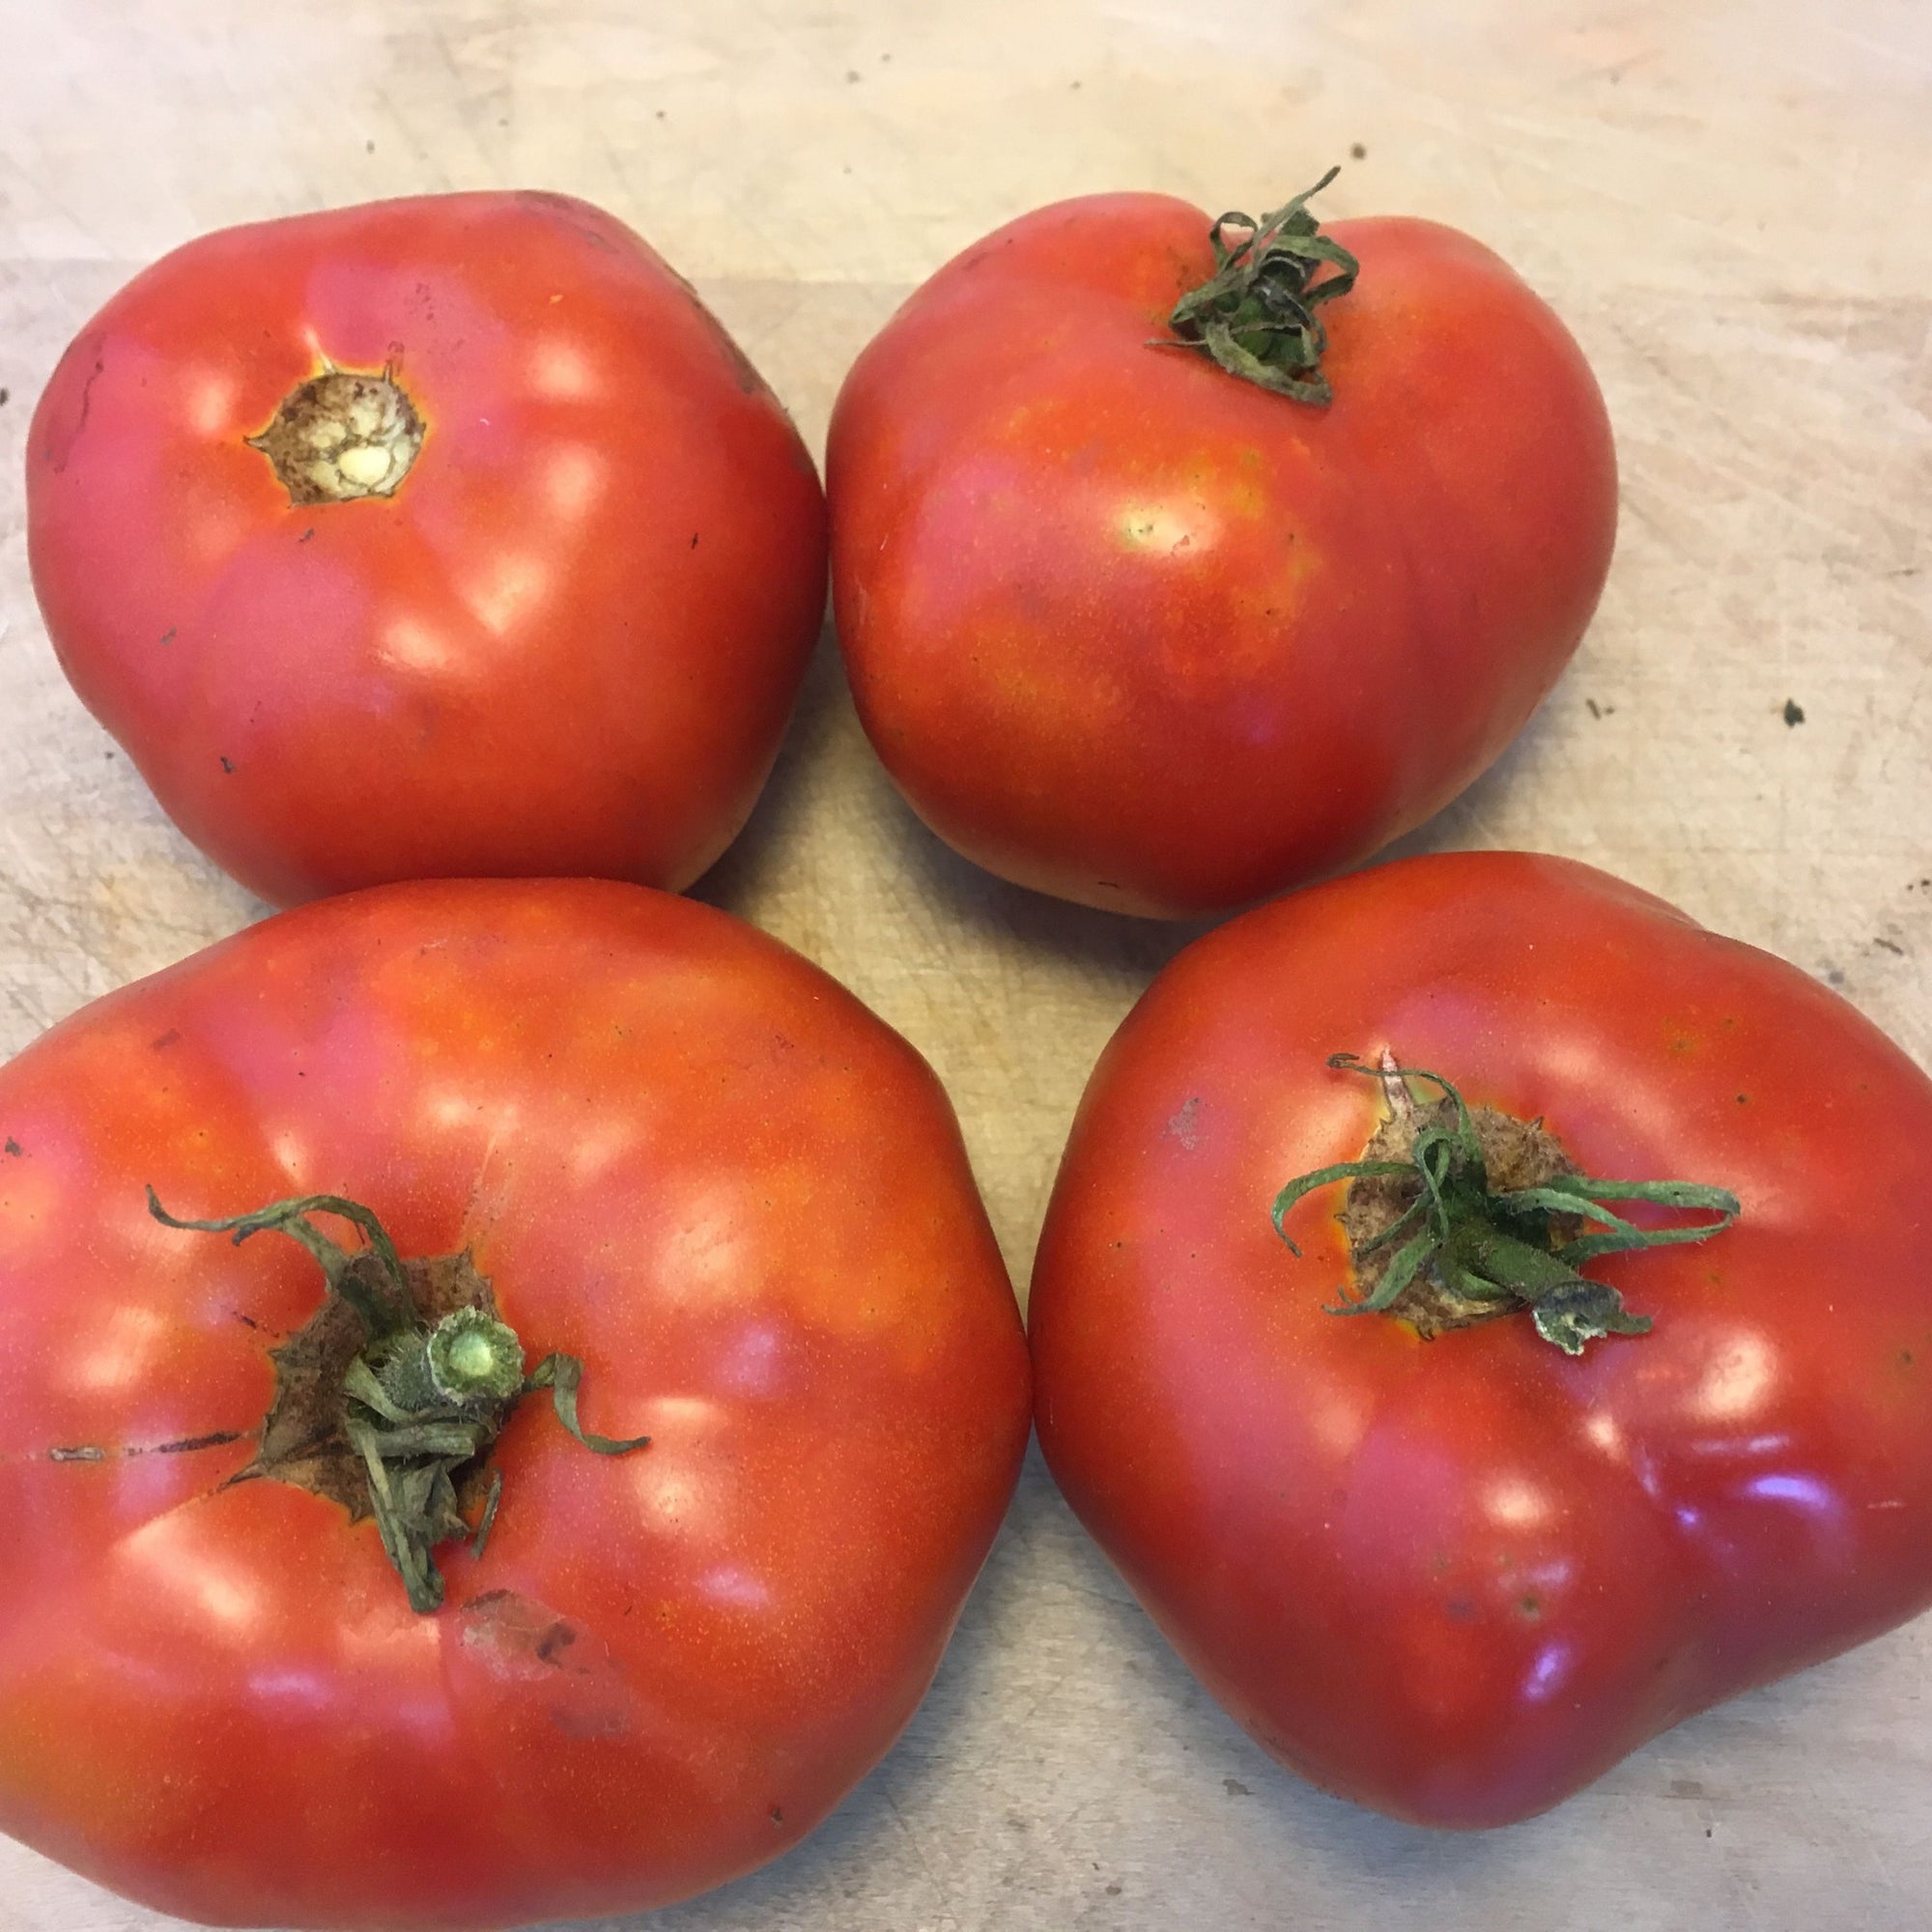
(1127, 629)
(678, 1152)
(1457, 1580)
(567, 644)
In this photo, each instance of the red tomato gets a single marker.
(1458, 1579)
(561, 634)
(1128, 628)
(678, 1153)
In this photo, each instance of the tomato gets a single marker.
(448, 536)
(1126, 628)
(678, 1153)
(1457, 1579)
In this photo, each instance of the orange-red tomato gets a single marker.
(1457, 1579)
(677, 1152)
(559, 633)
(1126, 628)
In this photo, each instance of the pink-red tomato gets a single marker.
(1457, 1579)
(448, 536)
(1130, 629)
(678, 1153)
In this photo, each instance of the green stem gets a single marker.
(1473, 1252)
(1256, 315)
(423, 1403)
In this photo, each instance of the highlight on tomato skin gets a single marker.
(448, 536)
(1180, 561)
(635, 1263)
(1464, 1429)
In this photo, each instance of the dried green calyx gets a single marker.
(1456, 1217)
(391, 1398)
(1257, 315)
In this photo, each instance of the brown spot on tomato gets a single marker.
(65, 431)
(555, 1642)
(163, 1041)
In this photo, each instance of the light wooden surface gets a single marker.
(1731, 203)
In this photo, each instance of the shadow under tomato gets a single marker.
(828, 784)
(878, 1847)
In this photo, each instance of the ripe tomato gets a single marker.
(676, 1152)
(445, 536)
(1457, 1579)
(1126, 628)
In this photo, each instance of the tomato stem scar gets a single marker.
(343, 435)
(394, 1412)
(1457, 1216)
(1256, 315)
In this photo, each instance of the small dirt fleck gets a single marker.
(694, 539)
(368, 147)
(1794, 711)
(168, 636)
(163, 1041)
(12, 1145)
(778, 1815)
(1235, 1788)
(1113, 1891)
(4, 394)
(1889, 945)
(1356, 152)
(306, 534)
(851, 74)
(228, 764)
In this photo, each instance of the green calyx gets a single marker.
(421, 1402)
(1454, 1249)
(1256, 315)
